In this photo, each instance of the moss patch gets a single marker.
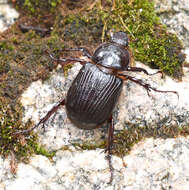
(37, 7)
(23, 59)
(90, 146)
(125, 139)
(19, 145)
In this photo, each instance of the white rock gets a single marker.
(175, 15)
(8, 15)
(152, 164)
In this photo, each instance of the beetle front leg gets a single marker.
(85, 51)
(44, 119)
(109, 146)
(67, 60)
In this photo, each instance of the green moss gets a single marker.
(4, 46)
(43, 151)
(20, 145)
(72, 27)
(11, 121)
(23, 59)
(90, 146)
(36, 6)
(126, 139)
(150, 41)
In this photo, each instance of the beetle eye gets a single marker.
(120, 38)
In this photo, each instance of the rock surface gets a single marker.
(8, 15)
(175, 15)
(151, 165)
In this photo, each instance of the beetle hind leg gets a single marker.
(109, 147)
(44, 119)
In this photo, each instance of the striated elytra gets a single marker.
(92, 97)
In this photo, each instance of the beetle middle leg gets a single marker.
(148, 87)
(139, 69)
(44, 119)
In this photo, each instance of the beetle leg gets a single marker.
(85, 51)
(145, 85)
(44, 119)
(109, 146)
(67, 61)
(110, 134)
(138, 69)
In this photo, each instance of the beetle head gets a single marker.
(120, 38)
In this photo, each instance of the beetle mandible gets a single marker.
(94, 92)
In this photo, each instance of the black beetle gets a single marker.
(95, 90)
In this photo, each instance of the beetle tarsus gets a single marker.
(109, 158)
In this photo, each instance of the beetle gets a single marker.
(94, 92)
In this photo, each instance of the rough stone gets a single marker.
(8, 15)
(175, 15)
